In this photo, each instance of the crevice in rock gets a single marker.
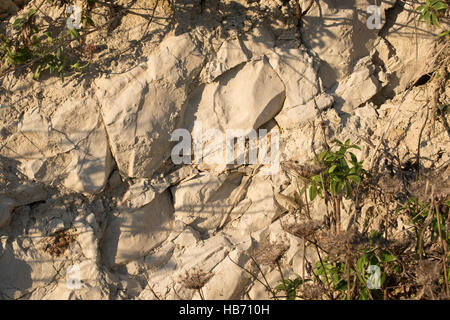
(423, 80)
(391, 17)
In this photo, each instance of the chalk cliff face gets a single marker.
(87, 182)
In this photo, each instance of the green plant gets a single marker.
(423, 216)
(291, 287)
(343, 172)
(362, 279)
(40, 50)
(430, 11)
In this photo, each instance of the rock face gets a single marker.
(87, 182)
(357, 88)
(337, 31)
(224, 105)
(141, 108)
(70, 147)
(134, 232)
(205, 200)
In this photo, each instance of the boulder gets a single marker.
(298, 71)
(202, 202)
(142, 107)
(338, 33)
(70, 146)
(357, 88)
(136, 231)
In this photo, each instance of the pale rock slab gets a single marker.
(289, 118)
(18, 194)
(71, 146)
(224, 108)
(229, 280)
(136, 231)
(207, 254)
(238, 51)
(263, 209)
(407, 49)
(188, 238)
(298, 71)
(357, 88)
(225, 105)
(202, 202)
(142, 107)
(337, 32)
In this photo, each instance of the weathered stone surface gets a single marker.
(407, 49)
(142, 107)
(229, 280)
(136, 231)
(357, 88)
(263, 209)
(289, 118)
(224, 105)
(71, 146)
(337, 31)
(6, 207)
(234, 52)
(206, 255)
(298, 71)
(202, 202)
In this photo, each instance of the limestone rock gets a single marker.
(6, 207)
(407, 49)
(337, 31)
(289, 118)
(229, 280)
(71, 146)
(263, 209)
(142, 107)
(298, 71)
(206, 255)
(357, 88)
(202, 202)
(234, 52)
(136, 231)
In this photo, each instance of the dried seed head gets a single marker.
(270, 252)
(303, 170)
(312, 291)
(303, 228)
(195, 278)
(345, 245)
(428, 272)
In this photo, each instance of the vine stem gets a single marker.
(282, 279)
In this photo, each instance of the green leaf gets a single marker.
(435, 20)
(74, 33)
(361, 264)
(427, 17)
(333, 167)
(37, 73)
(355, 178)
(439, 5)
(420, 8)
(17, 23)
(31, 12)
(312, 192)
(387, 257)
(89, 21)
